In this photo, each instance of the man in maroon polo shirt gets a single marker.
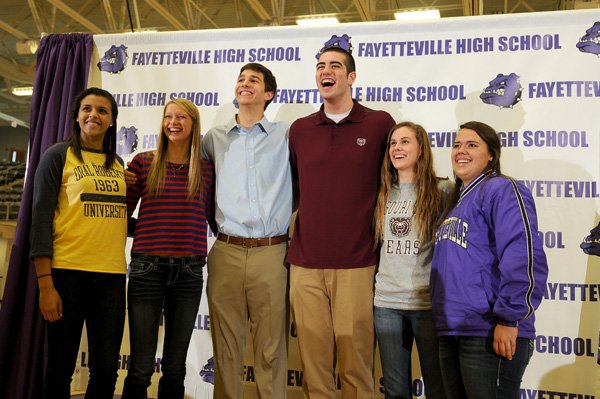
(335, 155)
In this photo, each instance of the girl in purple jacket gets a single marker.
(488, 273)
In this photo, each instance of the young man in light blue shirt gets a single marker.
(247, 277)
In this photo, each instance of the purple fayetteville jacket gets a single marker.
(488, 265)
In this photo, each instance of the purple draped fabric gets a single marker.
(61, 73)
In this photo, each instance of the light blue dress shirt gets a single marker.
(253, 179)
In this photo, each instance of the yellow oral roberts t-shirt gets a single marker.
(90, 220)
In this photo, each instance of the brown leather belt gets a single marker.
(252, 242)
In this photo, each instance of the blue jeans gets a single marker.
(471, 369)
(396, 330)
(174, 284)
(99, 300)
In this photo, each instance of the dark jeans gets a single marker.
(99, 300)
(174, 284)
(396, 330)
(471, 369)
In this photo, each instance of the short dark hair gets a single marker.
(269, 78)
(349, 63)
(109, 145)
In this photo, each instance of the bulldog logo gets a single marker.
(114, 60)
(503, 91)
(590, 42)
(127, 140)
(208, 371)
(591, 243)
(342, 42)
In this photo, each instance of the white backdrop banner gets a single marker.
(534, 77)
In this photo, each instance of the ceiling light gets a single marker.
(142, 30)
(317, 21)
(22, 91)
(417, 15)
(27, 47)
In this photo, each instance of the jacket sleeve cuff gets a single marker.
(508, 323)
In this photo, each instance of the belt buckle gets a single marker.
(249, 242)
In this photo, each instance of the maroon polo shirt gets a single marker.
(337, 169)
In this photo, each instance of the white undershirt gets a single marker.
(337, 117)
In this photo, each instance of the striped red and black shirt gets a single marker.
(170, 224)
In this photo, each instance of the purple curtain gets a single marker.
(62, 70)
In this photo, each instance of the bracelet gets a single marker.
(44, 275)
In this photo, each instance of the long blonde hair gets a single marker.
(427, 205)
(156, 175)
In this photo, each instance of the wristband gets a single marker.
(44, 275)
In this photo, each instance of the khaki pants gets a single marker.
(333, 314)
(248, 284)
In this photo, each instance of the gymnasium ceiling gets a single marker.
(23, 22)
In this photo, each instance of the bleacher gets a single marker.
(12, 176)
